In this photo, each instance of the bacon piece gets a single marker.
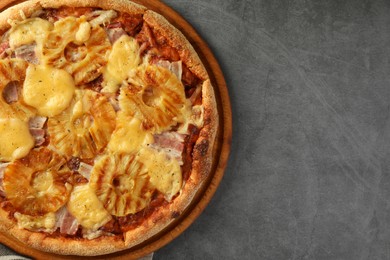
(114, 31)
(10, 92)
(66, 222)
(36, 125)
(170, 142)
(27, 53)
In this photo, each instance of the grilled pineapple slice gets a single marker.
(121, 184)
(155, 96)
(37, 184)
(78, 47)
(13, 70)
(84, 129)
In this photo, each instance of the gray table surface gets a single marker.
(308, 176)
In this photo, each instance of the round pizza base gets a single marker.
(161, 227)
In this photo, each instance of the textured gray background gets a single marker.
(308, 177)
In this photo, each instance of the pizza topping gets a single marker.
(47, 89)
(16, 140)
(66, 222)
(129, 129)
(165, 173)
(12, 70)
(36, 129)
(121, 184)
(103, 17)
(37, 122)
(45, 223)
(172, 143)
(84, 129)
(175, 67)
(92, 40)
(37, 184)
(123, 58)
(29, 31)
(27, 53)
(156, 97)
(85, 170)
(3, 166)
(84, 205)
(10, 92)
(4, 46)
(130, 23)
(115, 31)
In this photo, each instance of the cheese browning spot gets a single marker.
(16, 140)
(47, 89)
(86, 208)
(123, 58)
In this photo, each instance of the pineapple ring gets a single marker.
(74, 36)
(85, 128)
(37, 184)
(13, 70)
(121, 183)
(156, 97)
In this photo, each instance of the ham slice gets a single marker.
(175, 67)
(85, 170)
(115, 31)
(66, 222)
(27, 53)
(10, 92)
(36, 129)
(37, 122)
(170, 142)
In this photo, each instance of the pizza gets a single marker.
(107, 125)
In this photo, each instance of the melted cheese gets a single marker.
(16, 140)
(47, 89)
(83, 33)
(46, 223)
(29, 31)
(165, 173)
(86, 208)
(128, 135)
(123, 58)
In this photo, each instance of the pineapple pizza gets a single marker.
(107, 124)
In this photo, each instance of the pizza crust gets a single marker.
(202, 154)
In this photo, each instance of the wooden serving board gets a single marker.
(221, 151)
